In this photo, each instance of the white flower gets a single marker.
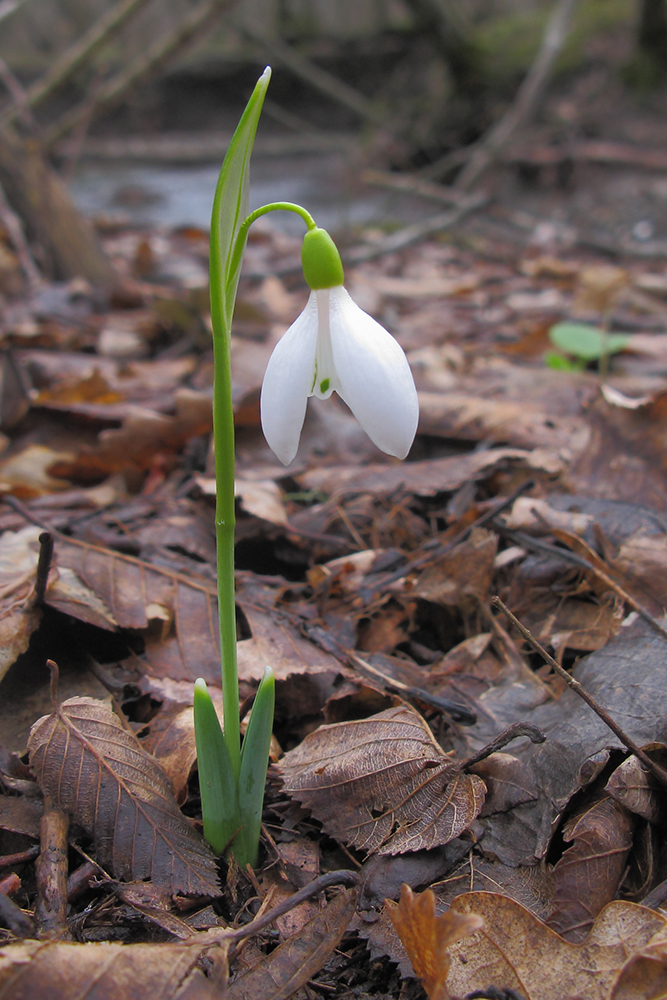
(335, 345)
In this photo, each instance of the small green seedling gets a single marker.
(582, 344)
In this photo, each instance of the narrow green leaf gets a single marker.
(219, 800)
(587, 342)
(254, 762)
(230, 208)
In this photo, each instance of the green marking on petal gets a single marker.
(324, 384)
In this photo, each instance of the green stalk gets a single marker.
(232, 780)
(230, 207)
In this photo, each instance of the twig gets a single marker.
(43, 565)
(51, 874)
(460, 713)
(79, 53)
(411, 184)
(650, 765)
(15, 918)
(341, 877)
(408, 235)
(512, 732)
(9, 860)
(481, 154)
(18, 95)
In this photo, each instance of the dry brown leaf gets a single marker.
(461, 575)
(589, 873)
(144, 434)
(178, 616)
(636, 790)
(517, 951)
(97, 771)
(644, 975)
(298, 959)
(171, 740)
(508, 780)
(437, 475)
(35, 969)
(19, 617)
(479, 418)
(383, 783)
(426, 937)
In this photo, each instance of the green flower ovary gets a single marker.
(322, 266)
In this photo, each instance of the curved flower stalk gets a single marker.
(334, 346)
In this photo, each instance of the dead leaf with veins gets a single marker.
(96, 770)
(383, 783)
(589, 874)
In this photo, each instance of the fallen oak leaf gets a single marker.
(516, 950)
(97, 771)
(426, 937)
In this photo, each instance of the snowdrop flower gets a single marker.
(335, 346)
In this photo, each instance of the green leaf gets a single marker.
(230, 208)
(219, 802)
(560, 363)
(587, 342)
(254, 762)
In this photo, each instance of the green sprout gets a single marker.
(582, 344)
(332, 346)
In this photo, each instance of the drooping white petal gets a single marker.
(374, 374)
(288, 381)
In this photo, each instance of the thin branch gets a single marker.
(79, 53)
(626, 740)
(318, 78)
(408, 235)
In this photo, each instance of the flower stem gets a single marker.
(223, 436)
(225, 523)
(274, 206)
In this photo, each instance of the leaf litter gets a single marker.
(367, 585)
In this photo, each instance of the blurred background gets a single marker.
(131, 104)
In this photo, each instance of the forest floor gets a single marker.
(538, 476)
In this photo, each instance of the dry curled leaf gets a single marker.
(35, 969)
(426, 937)
(97, 771)
(517, 951)
(383, 783)
(590, 871)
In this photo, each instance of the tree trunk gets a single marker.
(68, 247)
